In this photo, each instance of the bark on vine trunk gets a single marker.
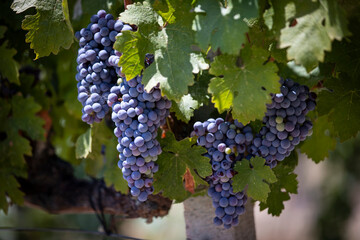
(199, 214)
(52, 186)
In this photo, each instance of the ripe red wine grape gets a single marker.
(225, 143)
(96, 73)
(137, 115)
(285, 123)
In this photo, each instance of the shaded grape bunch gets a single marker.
(137, 115)
(225, 143)
(285, 123)
(95, 73)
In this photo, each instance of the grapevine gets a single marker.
(176, 99)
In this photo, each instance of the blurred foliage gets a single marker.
(342, 178)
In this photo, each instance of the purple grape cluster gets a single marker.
(285, 123)
(96, 75)
(137, 115)
(226, 143)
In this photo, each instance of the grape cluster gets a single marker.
(225, 143)
(285, 123)
(137, 115)
(96, 75)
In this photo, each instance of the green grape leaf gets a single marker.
(140, 14)
(17, 117)
(103, 140)
(49, 29)
(299, 74)
(170, 44)
(112, 173)
(67, 129)
(178, 157)
(113, 177)
(24, 117)
(257, 178)
(83, 144)
(8, 66)
(184, 109)
(199, 91)
(280, 190)
(342, 101)
(66, 71)
(214, 24)
(321, 142)
(133, 47)
(9, 186)
(14, 147)
(165, 10)
(171, 67)
(268, 17)
(244, 89)
(343, 54)
(324, 24)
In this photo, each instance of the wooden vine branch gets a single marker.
(51, 186)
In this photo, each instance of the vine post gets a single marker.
(198, 222)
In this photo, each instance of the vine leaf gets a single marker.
(214, 24)
(184, 109)
(49, 29)
(342, 101)
(244, 89)
(198, 62)
(18, 118)
(321, 142)
(67, 129)
(280, 190)
(113, 177)
(133, 47)
(9, 187)
(324, 24)
(97, 147)
(254, 178)
(8, 66)
(171, 46)
(176, 158)
(83, 144)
